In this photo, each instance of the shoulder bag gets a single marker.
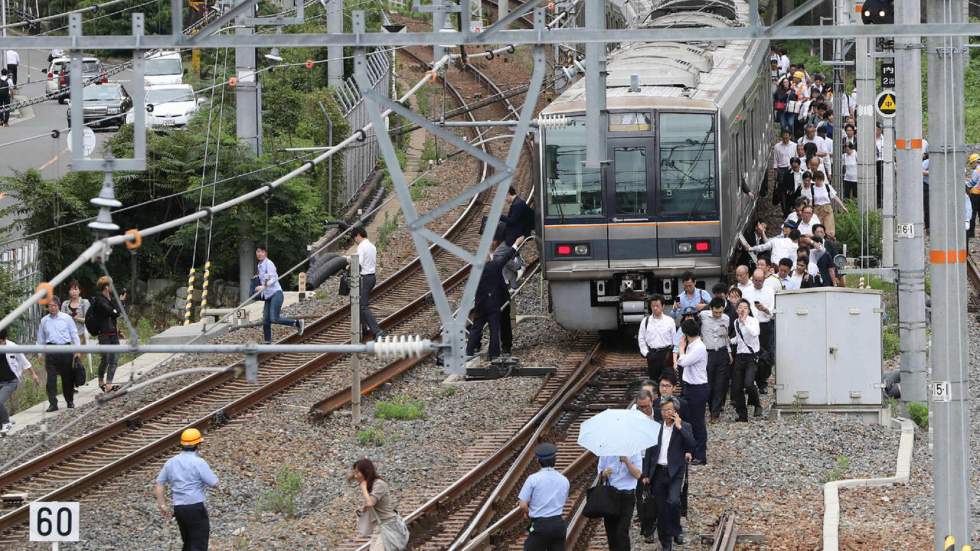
(366, 521)
(763, 358)
(343, 288)
(78, 372)
(600, 500)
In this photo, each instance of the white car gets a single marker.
(57, 73)
(163, 68)
(172, 105)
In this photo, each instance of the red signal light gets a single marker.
(702, 246)
(563, 250)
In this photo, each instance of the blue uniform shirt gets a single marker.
(59, 329)
(545, 492)
(188, 475)
(621, 479)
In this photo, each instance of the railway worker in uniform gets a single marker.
(656, 339)
(271, 293)
(763, 301)
(743, 369)
(188, 476)
(690, 297)
(58, 328)
(694, 361)
(367, 259)
(12, 368)
(973, 192)
(667, 471)
(622, 472)
(542, 499)
(491, 294)
(715, 327)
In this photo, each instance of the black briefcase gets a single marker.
(343, 289)
(600, 501)
(78, 372)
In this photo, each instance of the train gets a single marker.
(688, 135)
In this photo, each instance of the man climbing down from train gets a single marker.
(656, 339)
(491, 295)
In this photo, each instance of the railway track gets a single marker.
(141, 436)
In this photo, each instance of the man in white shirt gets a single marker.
(666, 469)
(783, 62)
(825, 150)
(656, 339)
(622, 472)
(13, 61)
(367, 258)
(742, 279)
(746, 343)
(694, 361)
(763, 302)
(767, 267)
(782, 152)
(807, 220)
(781, 247)
(786, 281)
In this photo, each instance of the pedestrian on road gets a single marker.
(621, 472)
(367, 258)
(491, 294)
(13, 62)
(271, 293)
(188, 476)
(542, 499)
(391, 534)
(715, 327)
(743, 374)
(106, 313)
(12, 367)
(656, 340)
(694, 361)
(667, 471)
(646, 510)
(6, 94)
(58, 328)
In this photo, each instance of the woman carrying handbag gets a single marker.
(377, 517)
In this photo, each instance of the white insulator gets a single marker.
(401, 346)
(552, 121)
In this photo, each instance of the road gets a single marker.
(34, 126)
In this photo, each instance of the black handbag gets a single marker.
(600, 501)
(344, 288)
(78, 372)
(252, 286)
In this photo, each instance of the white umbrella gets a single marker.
(618, 432)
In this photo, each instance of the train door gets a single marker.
(632, 233)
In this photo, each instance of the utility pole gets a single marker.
(841, 17)
(864, 69)
(909, 250)
(335, 25)
(949, 384)
(355, 338)
(888, 193)
(247, 127)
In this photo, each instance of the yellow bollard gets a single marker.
(190, 298)
(204, 287)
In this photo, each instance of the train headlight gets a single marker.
(582, 249)
(578, 249)
(693, 247)
(684, 248)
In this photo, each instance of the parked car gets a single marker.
(104, 105)
(173, 105)
(59, 75)
(163, 68)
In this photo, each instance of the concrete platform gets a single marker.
(182, 334)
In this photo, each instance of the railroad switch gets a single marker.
(506, 366)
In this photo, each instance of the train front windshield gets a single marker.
(684, 182)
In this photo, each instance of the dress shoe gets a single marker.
(742, 420)
(666, 546)
(52, 407)
(713, 419)
(696, 461)
(71, 405)
(652, 538)
(679, 539)
(757, 412)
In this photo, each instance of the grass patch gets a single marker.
(423, 100)
(448, 391)
(841, 465)
(401, 408)
(282, 499)
(372, 436)
(919, 412)
(387, 228)
(429, 151)
(418, 188)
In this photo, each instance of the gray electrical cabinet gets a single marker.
(828, 350)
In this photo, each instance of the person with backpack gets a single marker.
(5, 96)
(100, 321)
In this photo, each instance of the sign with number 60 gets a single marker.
(54, 521)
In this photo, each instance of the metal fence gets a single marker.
(23, 263)
(361, 159)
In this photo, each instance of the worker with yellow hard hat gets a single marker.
(973, 193)
(188, 476)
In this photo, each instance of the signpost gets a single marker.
(887, 104)
(54, 521)
(887, 75)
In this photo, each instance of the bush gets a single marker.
(283, 498)
(849, 230)
(890, 341)
(919, 413)
(371, 436)
(401, 408)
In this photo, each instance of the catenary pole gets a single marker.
(909, 250)
(888, 193)
(864, 69)
(950, 340)
(247, 130)
(335, 25)
(841, 17)
(355, 338)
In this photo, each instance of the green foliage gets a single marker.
(423, 100)
(919, 412)
(11, 293)
(448, 390)
(401, 408)
(890, 341)
(373, 436)
(841, 465)
(850, 230)
(418, 188)
(282, 499)
(387, 228)
(429, 150)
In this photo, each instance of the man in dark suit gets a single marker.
(491, 294)
(665, 466)
(519, 219)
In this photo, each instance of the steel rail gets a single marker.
(726, 536)
(973, 272)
